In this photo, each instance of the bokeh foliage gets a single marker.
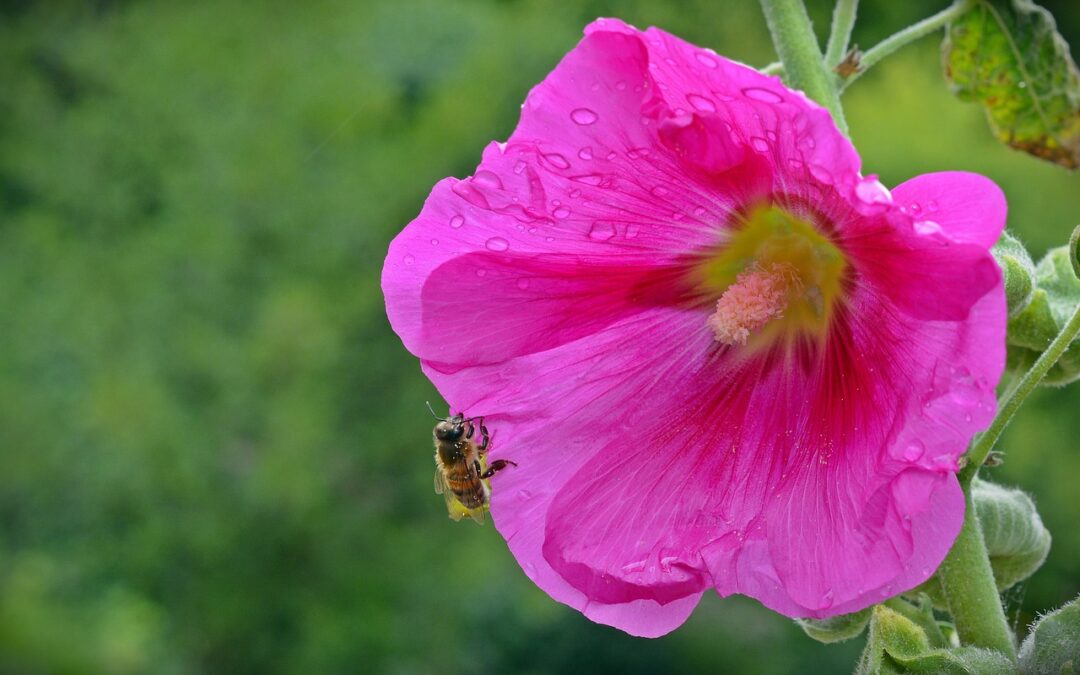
(214, 455)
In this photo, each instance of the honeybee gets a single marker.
(460, 474)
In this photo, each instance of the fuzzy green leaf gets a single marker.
(1008, 56)
(1053, 646)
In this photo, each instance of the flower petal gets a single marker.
(969, 207)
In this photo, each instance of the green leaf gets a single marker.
(1018, 269)
(1008, 56)
(1052, 303)
(836, 629)
(961, 661)
(1053, 646)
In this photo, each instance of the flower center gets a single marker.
(758, 296)
(774, 276)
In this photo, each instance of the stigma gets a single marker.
(759, 295)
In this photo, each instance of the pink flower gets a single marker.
(719, 355)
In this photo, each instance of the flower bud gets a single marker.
(1053, 302)
(1018, 270)
(1015, 536)
(837, 628)
(1053, 645)
(893, 638)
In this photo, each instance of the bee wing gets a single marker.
(454, 506)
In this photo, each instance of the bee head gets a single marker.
(450, 429)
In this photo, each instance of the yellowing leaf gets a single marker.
(1008, 56)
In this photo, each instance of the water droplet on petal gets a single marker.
(872, 191)
(701, 103)
(457, 221)
(660, 191)
(488, 179)
(927, 227)
(522, 284)
(827, 599)
(434, 242)
(585, 153)
(634, 567)
(602, 230)
(666, 563)
(764, 95)
(408, 259)
(481, 272)
(584, 116)
(561, 212)
(557, 160)
(620, 85)
(914, 451)
(632, 230)
(706, 60)
(931, 205)
(519, 167)
(497, 244)
(588, 179)
(760, 144)
(524, 495)
(612, 155)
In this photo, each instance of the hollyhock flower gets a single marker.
(720, 357)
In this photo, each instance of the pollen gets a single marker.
(759, 295)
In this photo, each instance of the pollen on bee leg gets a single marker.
(759, 295)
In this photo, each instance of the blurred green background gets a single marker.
(214, 453)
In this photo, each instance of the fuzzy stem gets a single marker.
(968, 582)
(1016, 396)
(804, 67)
(843, 20)
(913, 32)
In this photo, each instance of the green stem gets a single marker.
(774, 68)
(913, 32)
(1031, 379)
(968, 582)
(804, 67)
(843, 20)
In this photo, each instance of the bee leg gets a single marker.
(472, 428)
(497, 465)
(486, 436)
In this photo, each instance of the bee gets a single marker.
(460, 474)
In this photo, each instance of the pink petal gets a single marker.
(969, 206)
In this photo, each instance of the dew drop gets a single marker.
(620, 85)
(701, 103)
(522, 284)
(771, 135)
(764, 95)
(927, 227)
(561, 212)
(914, 451)
(602, 230)
(632, 230)
(931, 205)
(408, 259)
(612, 155)
(700, 212)
(666, 562)
(585, 153)
(488, 179)
(706, 60)
(796, 164)
(481, 272)
(557, 160)
(497, 244)
(434, 242)
(519, 167)
(872, 191)
(634, 567)
(588, 179)
(457, 221)
(524, 495)
(574, 194)
(660, 191)
(760, 144)
(827, 599)
(583, 116)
